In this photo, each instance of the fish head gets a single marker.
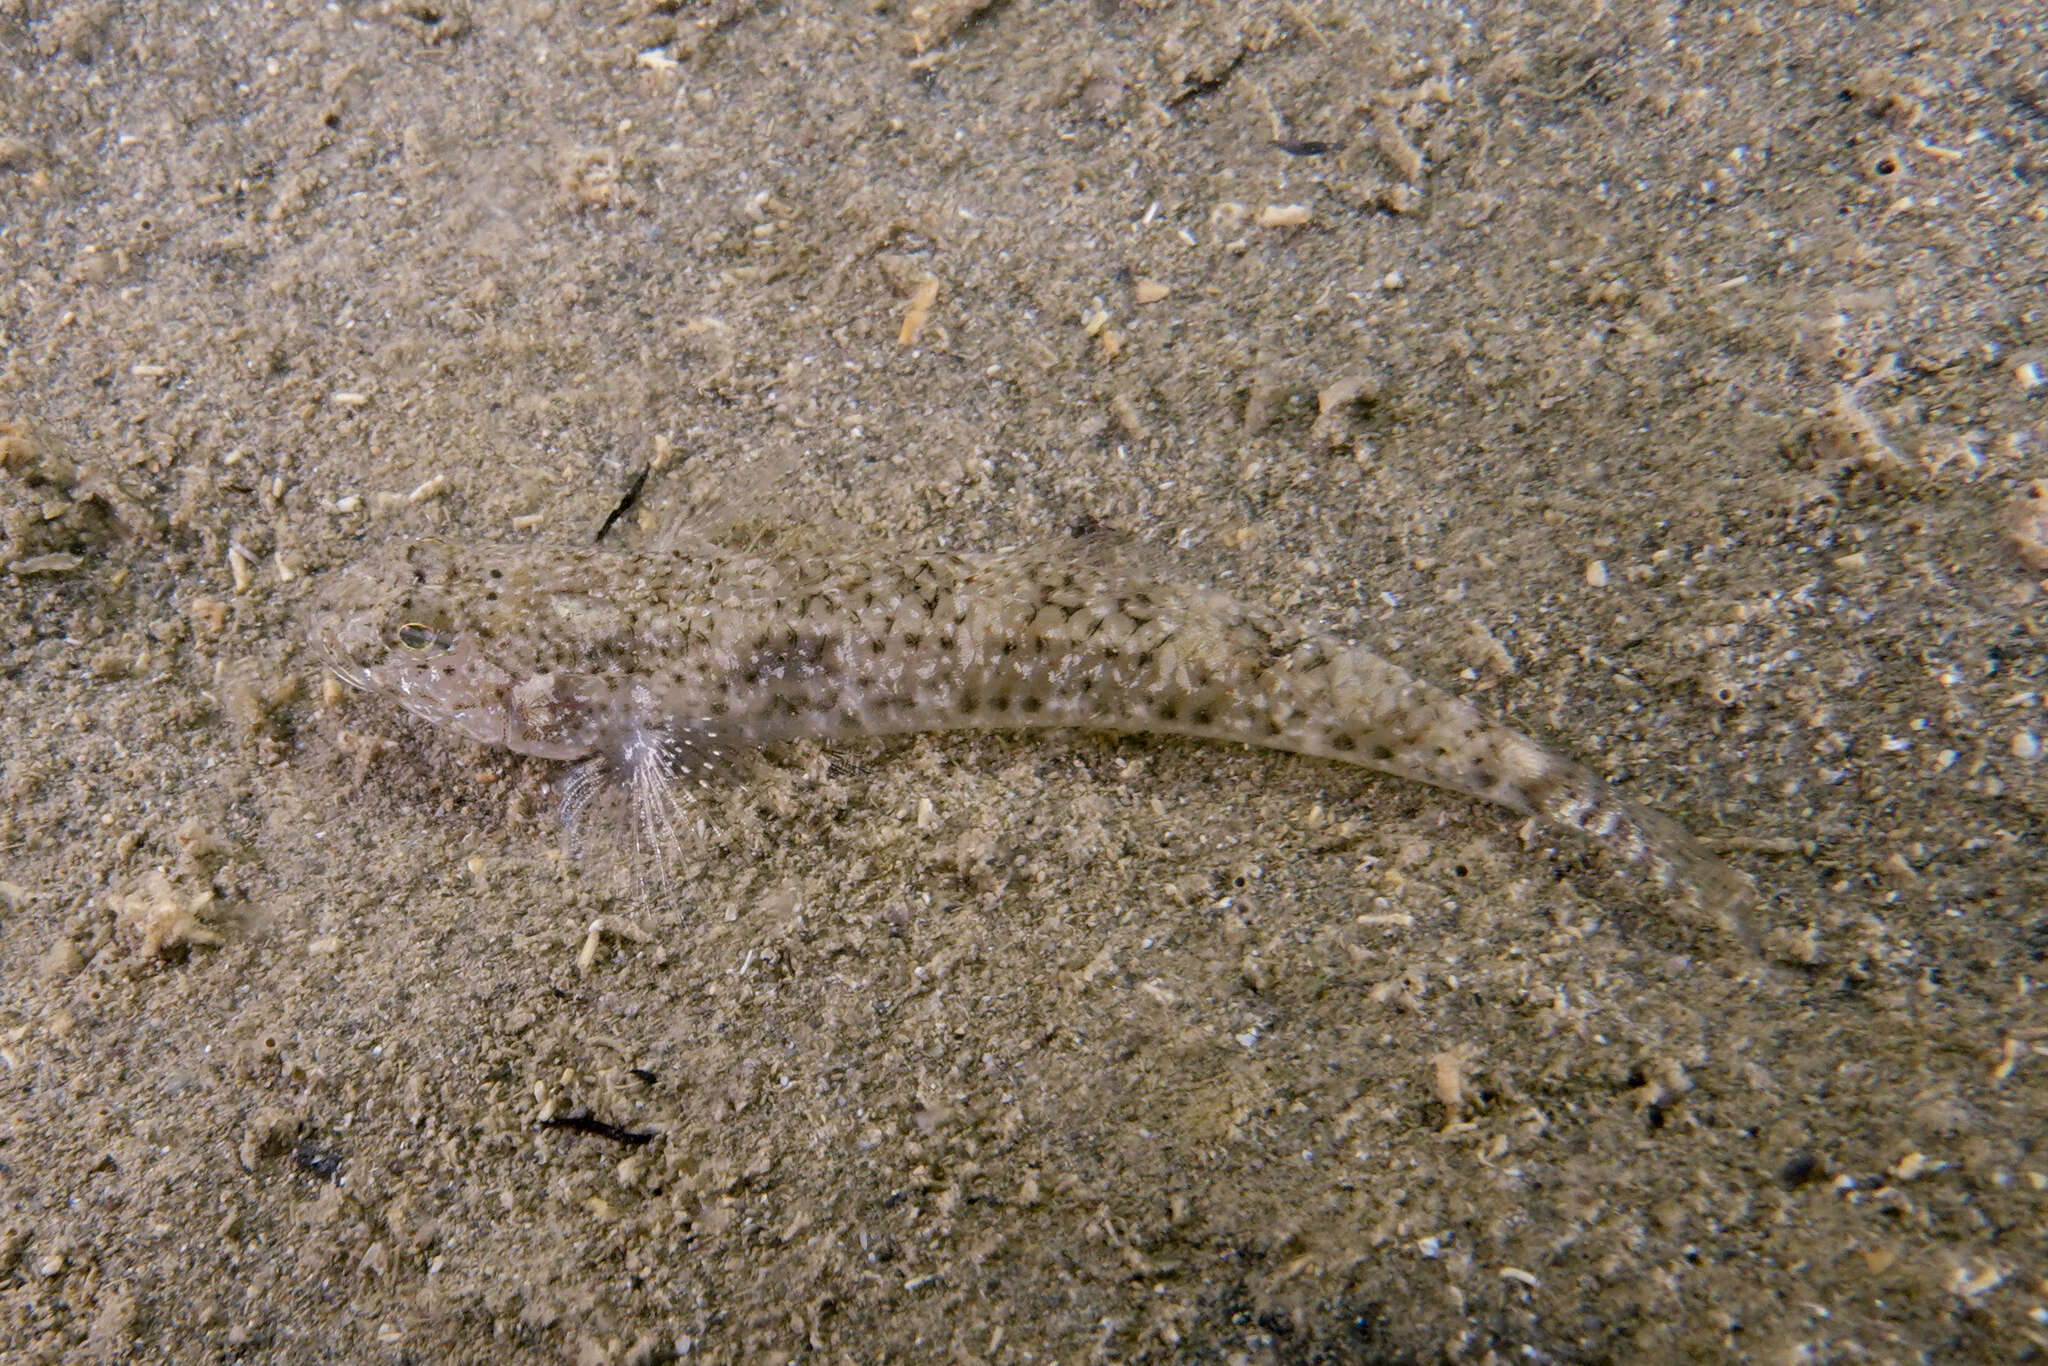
(425, 624)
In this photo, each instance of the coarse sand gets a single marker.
(1672, 380)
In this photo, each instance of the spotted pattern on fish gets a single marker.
(661, 671)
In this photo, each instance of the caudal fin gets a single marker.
(1652, 841)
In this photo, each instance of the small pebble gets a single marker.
(431, 489)
(2026, 523)
(57, 562)
(1596, 573)
(1284, 216)
(2026, 745)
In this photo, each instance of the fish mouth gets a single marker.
(343, 642)
(457, 688)
(347, 624)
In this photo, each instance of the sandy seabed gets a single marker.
(1671, 380)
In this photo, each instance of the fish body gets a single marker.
(662, 670)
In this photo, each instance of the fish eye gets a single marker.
(415, 635)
